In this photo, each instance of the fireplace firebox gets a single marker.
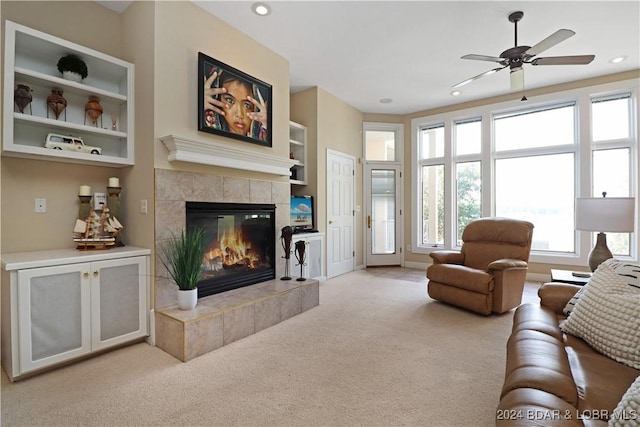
(241, 248)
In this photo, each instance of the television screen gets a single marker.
(302, 213)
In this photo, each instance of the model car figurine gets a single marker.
(69, 143)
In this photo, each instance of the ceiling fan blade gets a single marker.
(486, 73)
(564, 60)
(484, 58)
(517, 79)
(552, 40)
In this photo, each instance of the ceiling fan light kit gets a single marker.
(517, 56)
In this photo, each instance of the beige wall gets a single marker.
(176, 78)
(23, 180)
(340, 129)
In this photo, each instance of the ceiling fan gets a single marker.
(517, 56)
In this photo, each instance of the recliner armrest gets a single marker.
(447, 257)
(504, 264)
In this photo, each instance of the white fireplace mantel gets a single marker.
(218, 154)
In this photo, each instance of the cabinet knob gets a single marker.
(95, 273)
(86, 274)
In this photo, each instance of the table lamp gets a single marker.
(604, 214)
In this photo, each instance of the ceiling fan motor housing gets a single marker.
(514, 57)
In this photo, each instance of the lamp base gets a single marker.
(600, 252)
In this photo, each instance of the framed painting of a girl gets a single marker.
(232, 103)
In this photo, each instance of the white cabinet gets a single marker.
(298, 153)
(31, 59)
(60, 305)
(313, 267)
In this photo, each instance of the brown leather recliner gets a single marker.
(488, 273)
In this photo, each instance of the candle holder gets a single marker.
(85, 207)
(301, 257)
(113, 202)
(285, 240)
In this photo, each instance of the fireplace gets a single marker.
(241, 248)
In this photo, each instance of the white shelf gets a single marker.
(298, 148)
(31, 59)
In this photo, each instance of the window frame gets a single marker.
(582, 149)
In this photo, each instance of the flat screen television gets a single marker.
(302, 214)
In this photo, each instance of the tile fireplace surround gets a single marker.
(221, 318)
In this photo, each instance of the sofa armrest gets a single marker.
(447, 257)
(555, 295)
(504, 264)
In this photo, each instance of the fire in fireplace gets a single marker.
(241, 248)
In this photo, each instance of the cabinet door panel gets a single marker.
(54, 315)
(119, 301)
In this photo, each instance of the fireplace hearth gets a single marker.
(241, 248)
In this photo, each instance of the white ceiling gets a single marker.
(409, 51)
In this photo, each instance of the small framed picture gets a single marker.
(232, 103)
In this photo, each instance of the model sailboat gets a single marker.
(97, 231)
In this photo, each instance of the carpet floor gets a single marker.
(375, 352)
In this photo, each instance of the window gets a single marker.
(539, 189)
(468, 147)
(536, 183)
(612, 154)
(380, 142)
(528, 161)
(431, 194)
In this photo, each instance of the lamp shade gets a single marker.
(605, 214)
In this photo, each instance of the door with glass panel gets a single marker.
(383, 215)
(382, 193)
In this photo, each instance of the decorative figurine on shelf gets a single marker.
(114, 122)
(93, 109)
(72, 68)
(57, 103)
(301, 257)
(113, 201)
(285, 239)
(22, 97)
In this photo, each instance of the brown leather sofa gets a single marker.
(553, 378)
(488, 273)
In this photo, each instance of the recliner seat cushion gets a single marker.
(461, 277)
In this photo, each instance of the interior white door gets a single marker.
(383, 213)
(340, 214)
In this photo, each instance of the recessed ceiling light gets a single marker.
(386, 101)
(618, 59)
(261, 9)
(455, 93)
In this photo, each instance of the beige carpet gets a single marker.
(376, 352)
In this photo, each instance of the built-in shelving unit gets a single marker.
(298, 152)
(31, 59)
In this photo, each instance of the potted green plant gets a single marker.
(72, 67)
(181, 255)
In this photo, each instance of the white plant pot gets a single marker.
(70, 75)
(187, 300)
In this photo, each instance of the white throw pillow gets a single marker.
(630, 273)
(568, 309)
(627, 413)
(607, 316)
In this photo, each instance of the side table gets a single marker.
(567, 276)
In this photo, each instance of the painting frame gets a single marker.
(237, 84)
